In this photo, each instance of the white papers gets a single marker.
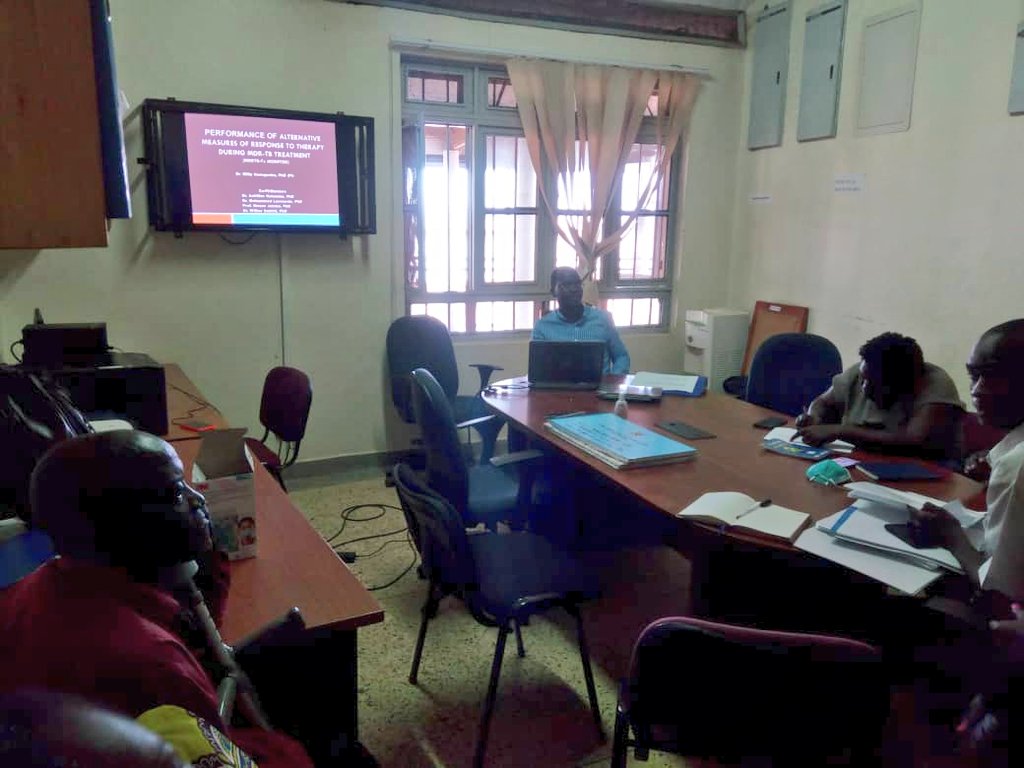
(865, 523)
(109, 425)
(883, 494)
(669, 382)
(900, 574)
(789, 435)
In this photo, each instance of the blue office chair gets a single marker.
(790, 369)
(503, 579)
(420, 341)
(703, 689)
(498, 491)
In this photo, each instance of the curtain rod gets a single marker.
(493, 54)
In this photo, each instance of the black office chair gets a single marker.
(703, 689)
(503, 579)
(790, 369)
(498, 491)
(420, 341)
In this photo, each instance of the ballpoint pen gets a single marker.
(763, 503)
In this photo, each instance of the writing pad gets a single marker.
(683, 430)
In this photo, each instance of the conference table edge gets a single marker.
(742, 477)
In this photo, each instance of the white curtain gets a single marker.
(582, 120)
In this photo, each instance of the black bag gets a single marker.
(35, 413)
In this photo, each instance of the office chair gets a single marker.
(420, 341)
(703, 689)
(790, 369)
(49, 729)
(503, 579)
(499, 490)
(284, 410)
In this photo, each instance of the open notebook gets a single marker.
(737, 510)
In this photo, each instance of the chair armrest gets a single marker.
(516, 458)
(485, 372)
(474, 422)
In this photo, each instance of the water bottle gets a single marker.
(621, 406)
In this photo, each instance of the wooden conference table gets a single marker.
(294, 567)
(731, 461)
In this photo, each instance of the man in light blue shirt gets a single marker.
(575, 321)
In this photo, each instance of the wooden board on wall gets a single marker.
(769, 319)
(52, 192)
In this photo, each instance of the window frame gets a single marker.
(483, 120)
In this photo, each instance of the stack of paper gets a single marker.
(789, 435)
(865, 523)
(903, 575)
(671, 383)
(617, 441)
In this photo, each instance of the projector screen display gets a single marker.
(262, 171)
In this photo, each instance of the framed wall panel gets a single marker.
(819, 79)
(1017, 79)
(887, 67)
(768, 83)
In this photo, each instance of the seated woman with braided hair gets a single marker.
(102, 621)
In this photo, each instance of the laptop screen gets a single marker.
(566, 364)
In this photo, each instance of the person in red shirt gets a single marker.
(101, 621)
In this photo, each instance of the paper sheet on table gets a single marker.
(669, 382)
(789, 435)
(900, 574)
(109, 425)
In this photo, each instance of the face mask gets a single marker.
(827, 472)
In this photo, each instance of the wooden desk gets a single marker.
(731, 461)
(294, 567)
(185, 401)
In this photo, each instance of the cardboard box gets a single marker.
(223, 473)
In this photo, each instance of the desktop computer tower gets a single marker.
(715, 341)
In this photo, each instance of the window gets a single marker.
(479, 245)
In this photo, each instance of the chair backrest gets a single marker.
(790, 369)
(47, 729)
(709, 689)
(419, 341)
(284, 407)
(437, 531)
(446, 470)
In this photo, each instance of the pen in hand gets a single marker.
(759, 505)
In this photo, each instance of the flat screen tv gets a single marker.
(225, 168)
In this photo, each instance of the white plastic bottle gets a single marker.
(621, 406)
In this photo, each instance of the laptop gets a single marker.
(566, 364)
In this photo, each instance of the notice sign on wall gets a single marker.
(848, 182)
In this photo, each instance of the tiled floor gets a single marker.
(542, 717)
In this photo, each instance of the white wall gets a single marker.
(217, 309)
(933, 247)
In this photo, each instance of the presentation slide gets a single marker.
(262, 171)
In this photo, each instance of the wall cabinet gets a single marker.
(52, 193)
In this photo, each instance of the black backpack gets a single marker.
(35, 413)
